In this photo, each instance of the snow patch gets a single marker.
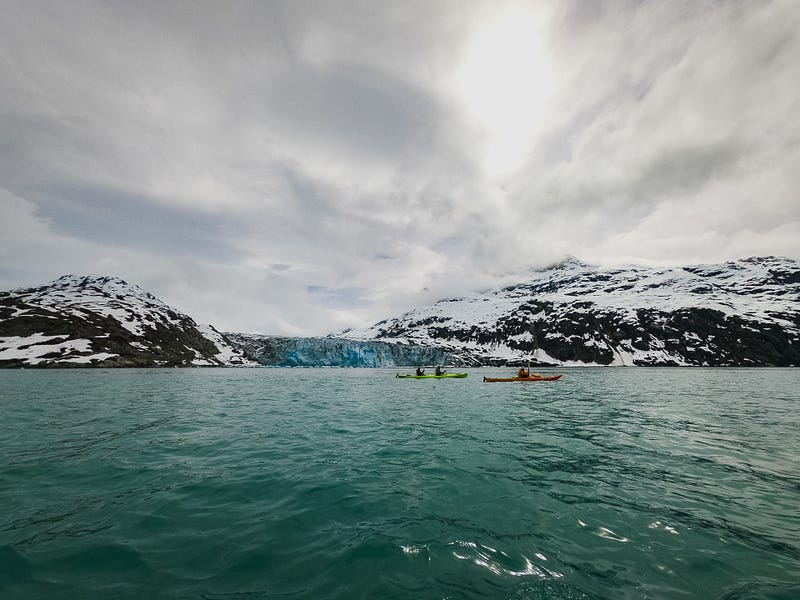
(34, 349)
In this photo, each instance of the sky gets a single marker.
(300, 167)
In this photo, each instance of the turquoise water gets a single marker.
(327, 483)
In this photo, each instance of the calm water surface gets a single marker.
(326, 483)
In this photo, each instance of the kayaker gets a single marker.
(440, 371)
(420, 371)
(522, 373)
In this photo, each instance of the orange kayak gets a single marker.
(531, 378)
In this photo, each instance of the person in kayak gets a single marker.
(522, 373)
(420, 371)
(440, 371)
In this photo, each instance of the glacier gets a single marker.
(277, 351)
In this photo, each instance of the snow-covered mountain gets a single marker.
(103, 321)
(741, 313)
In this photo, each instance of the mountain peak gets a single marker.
(106, 284)
(766, 260)
(568, 263)
(102, 320)
(744, 312)
(90, 279)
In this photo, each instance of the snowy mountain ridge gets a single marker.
(740, 313)
(103, 321)
(744, 312)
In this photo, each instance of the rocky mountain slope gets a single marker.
(103, 321)
(741, 313)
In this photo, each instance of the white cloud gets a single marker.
(301, 167)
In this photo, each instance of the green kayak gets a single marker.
(445, 376)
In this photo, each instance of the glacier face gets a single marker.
(739, 313)
(103, 321)
(278, 351)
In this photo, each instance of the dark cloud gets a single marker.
(684, 170)
(105, 216)
(338, 297)
(351, 108)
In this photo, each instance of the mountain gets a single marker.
(105, 322)
(740, 313)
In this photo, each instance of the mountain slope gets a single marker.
(740, 313)
(103, 321)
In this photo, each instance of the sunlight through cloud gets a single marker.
(504, 84)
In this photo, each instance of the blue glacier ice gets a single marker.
(278, 351)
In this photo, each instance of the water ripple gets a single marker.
(272, 483)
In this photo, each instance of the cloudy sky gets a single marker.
(298, 167)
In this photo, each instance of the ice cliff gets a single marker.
(334, 352)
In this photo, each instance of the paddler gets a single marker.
(440, 371)
(420, 371)
(523, 374)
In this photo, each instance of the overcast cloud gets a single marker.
(300, 167)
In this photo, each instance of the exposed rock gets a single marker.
(742, 313)
(80, 321)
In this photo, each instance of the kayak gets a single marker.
(531, 378)
(445, 376)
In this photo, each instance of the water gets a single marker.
(324, 483)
